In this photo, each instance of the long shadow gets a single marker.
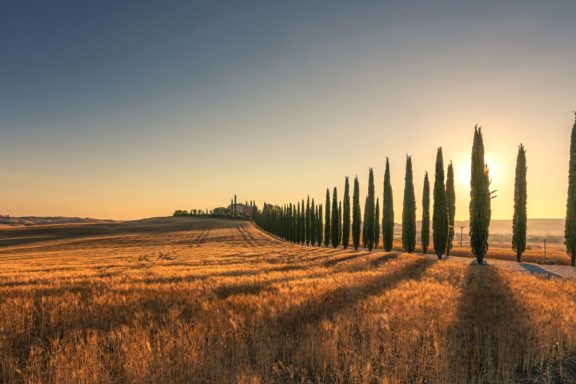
(384, 259)
(538, 271)
(248, 288)
(329, 304)
(333, 262)
(317, 256)
(492, 339)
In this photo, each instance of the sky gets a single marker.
(131, 109)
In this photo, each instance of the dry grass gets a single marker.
(185, 300)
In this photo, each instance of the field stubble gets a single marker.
(195, 300)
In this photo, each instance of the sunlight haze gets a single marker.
(135, 109)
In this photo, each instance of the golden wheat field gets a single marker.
(184, 300)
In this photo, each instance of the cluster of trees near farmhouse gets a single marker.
(234, 211)
(336, 222)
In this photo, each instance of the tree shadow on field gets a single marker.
(492, 339)
(329, 304)
(333, 262)
(385, 258)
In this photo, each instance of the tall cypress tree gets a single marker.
(294, 224)
(480, 212)
(440, 209)
(289, 222)
(335, 225)
(366, 225)
(570, 226)
(409, 210)
(346, 215)
(284, 225)
(308, 218)
(327, 219)
(520, 199)
(388, 212)
(425, 231)
(313, 221)
(340, 222)
(377, 224)
(303, 225)
(297, 225)
(369, 212)
(451, 201)
(356, 215)
(319, 226)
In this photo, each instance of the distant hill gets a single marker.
(34, 220)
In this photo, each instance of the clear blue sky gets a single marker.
(127, 109)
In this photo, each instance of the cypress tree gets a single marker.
(294, 224)
(388, 212)
(335, 225)
(570, 226)
(356, 215)
(297, 224)
(308, 218)
(346, 215)
(327, 219)
(451, 201)
(425, 231)
(319, 226)
(303, 225)
(365, 226)
(409, 210)
(369, 212)
(283, 222)
(520, 199)
(440, 209)
(479, 199)
(340, 222)
(312, 232)
(377, 224)
(288, 223)
(235, 205)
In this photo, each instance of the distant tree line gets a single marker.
(247, 210)
(333, 223)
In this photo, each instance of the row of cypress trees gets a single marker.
(308, 224)
(299, 223)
